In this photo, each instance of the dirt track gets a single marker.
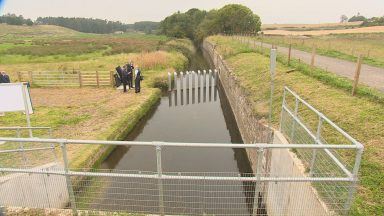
(370, 76)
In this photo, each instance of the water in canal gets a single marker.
(203, 118)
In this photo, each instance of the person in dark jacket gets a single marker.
(4, 78)
(125, 77)
(138, 79)
(130, 74)
(119, 71)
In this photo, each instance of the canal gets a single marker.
(198, 119)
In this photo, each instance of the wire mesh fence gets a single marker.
(263, 192)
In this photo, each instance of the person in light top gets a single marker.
(138, 79)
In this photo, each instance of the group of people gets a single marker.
(126, 75)
(4, 78)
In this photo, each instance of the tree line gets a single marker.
(87, 25)
(373, 21)
(197, 24)
(13, 19)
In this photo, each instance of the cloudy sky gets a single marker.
(128, 11)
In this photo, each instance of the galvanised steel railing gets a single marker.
(173, 184)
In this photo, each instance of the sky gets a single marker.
(128, 11)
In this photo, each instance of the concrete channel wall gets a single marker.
(280, 198)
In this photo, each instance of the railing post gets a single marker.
(282, 110)
(314, 151)
(160, 181)
(352, 189)
(71, 194)
(294, 122)
(257, 200)
(18, 135)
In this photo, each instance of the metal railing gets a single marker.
(163, 192)
(302, 123)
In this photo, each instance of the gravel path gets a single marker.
(370, 76)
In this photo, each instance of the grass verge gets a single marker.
(362, 117)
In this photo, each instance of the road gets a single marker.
(370, 76)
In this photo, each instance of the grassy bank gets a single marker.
(362, 117)
(341, 46)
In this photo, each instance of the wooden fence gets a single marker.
(67, 78)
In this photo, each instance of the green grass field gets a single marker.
(342, 46)
(87, 113)
(361, 116)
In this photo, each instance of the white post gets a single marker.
(215, 85)
(273, 72)
(175, 79)
(160, 181)
(196, 90)
(200, 85)
(210, 85)
(190, 87)
(27, 114)
(184, 98)
(169, 82)
(178, 90)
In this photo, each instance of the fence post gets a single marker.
(97, 79)
(80, 79)
(294, 122)
(19, 76)
(111, 79)
(357, 75)
(160, 181)
(282, 110)
(71, 194)
(30, 77)
(289, 54)
(256, 198)
(313, 56)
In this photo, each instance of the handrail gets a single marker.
(349, 137)
(176, 144)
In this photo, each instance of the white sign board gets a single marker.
(15, 97)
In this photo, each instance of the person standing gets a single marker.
(138, 79)
(130, 69)
(124, 77)
(4, 78)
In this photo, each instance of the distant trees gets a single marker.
(197, 24)
(87, 25)
(357, 17)
(343, 19)
(12, 19)
(146, 26)
(374, 21)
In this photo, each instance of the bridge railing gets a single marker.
(160, 192)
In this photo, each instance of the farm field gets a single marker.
(88, 113)
(342, 46)
(315, 31)
(360, 116)
(308, 27)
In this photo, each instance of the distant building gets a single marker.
(118, 32)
